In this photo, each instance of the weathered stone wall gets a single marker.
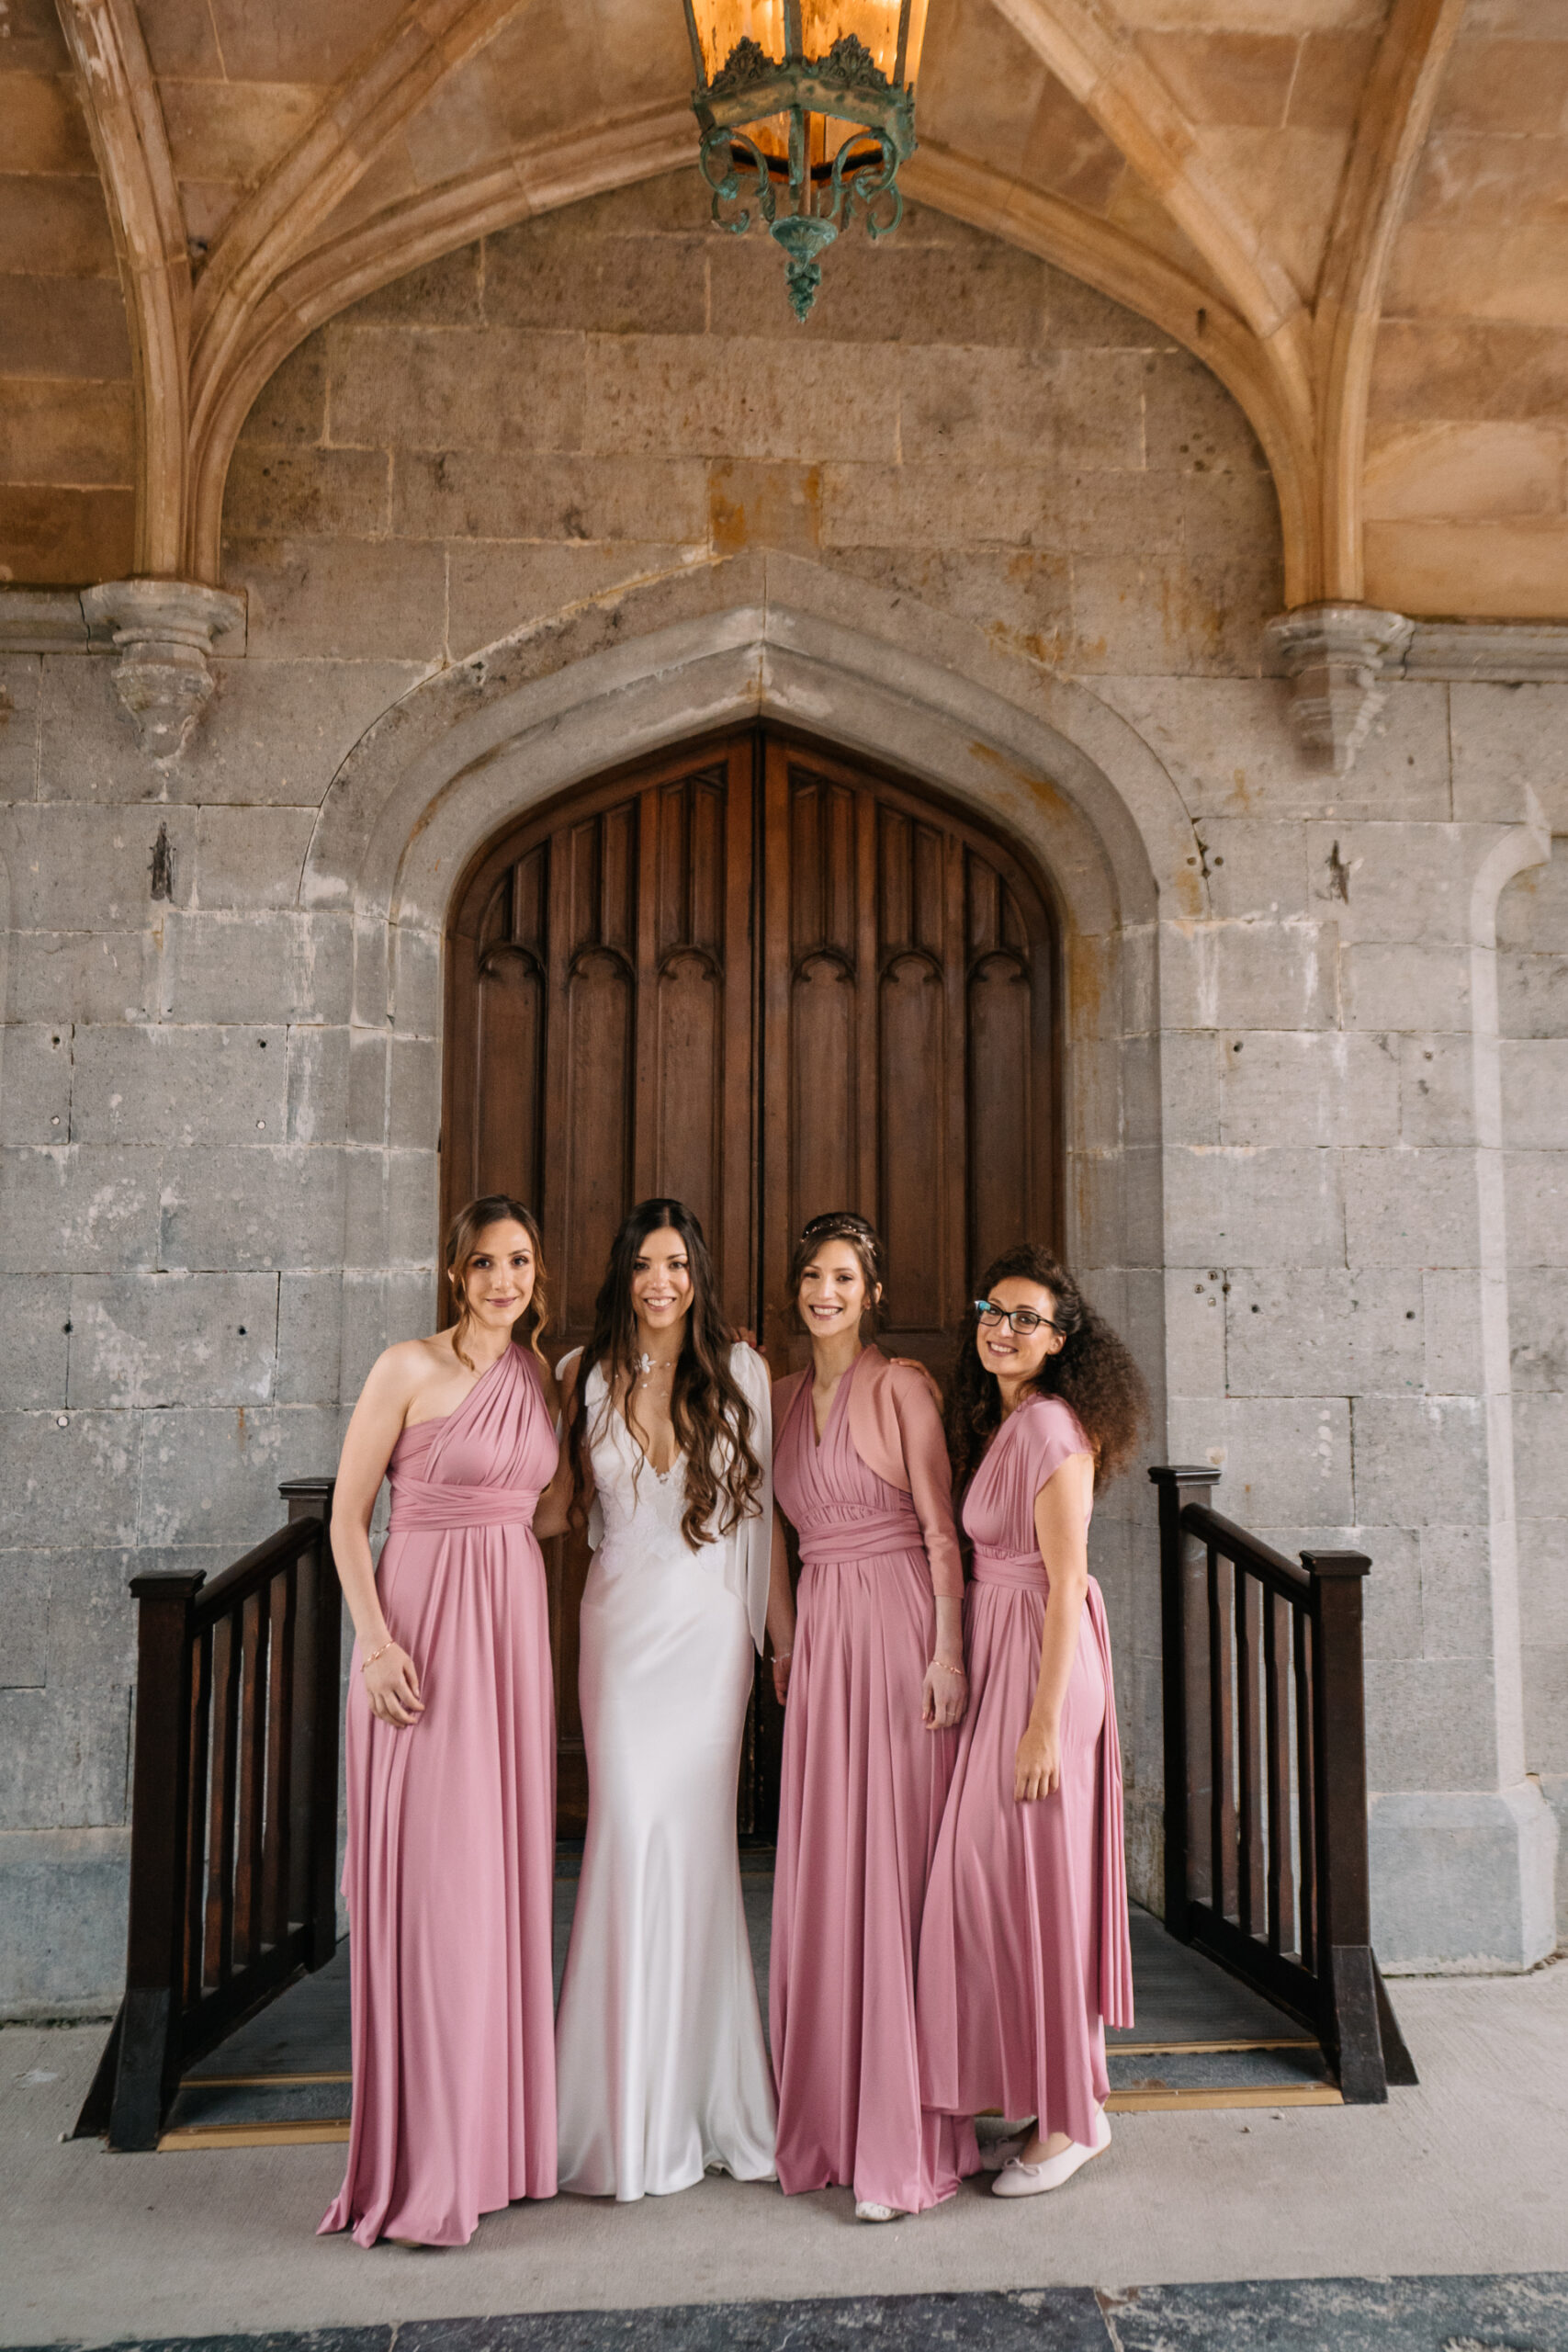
(501, 476)
(614, 390)
(1533, 941)
(1328, 1230)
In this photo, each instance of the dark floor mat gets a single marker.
(1182, 2000)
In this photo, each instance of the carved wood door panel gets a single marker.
(908, 1041)
(601, 1017)
(768, 981)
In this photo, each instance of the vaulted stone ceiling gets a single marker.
(1353, 211)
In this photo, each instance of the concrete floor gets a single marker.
(1467, 2173)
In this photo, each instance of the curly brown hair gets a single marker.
(463, 1237)
(713, 1420)
(1092, 1372)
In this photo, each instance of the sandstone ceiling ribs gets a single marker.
(1348, 208)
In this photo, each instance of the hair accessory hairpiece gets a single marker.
(843, 1220)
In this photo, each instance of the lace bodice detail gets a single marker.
(627, 1486)
(634, 1523)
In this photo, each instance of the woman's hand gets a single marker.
(391, 1685)
(552, 1512)
(945, 1695)
(1037, 1766)
(780, 1676)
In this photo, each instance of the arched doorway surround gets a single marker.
(767, 981)
(1039, 758)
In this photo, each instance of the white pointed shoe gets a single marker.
(866, 2211)
(1017, 2179)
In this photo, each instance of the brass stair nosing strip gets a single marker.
(191, 2138)
(188, 2137)
(255, 2082)
(1253, 2095)
(1207, 2049)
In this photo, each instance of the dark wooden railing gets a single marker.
(234, 1820)
(1265, 1776)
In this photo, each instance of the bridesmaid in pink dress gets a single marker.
(875, 1684)
(450, 1869)
(1024, 1952)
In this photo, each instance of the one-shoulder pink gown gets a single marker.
(1024, 1950)
(450, 1870)
(863, 1783)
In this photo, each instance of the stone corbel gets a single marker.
(162, 631)
(1333, 655)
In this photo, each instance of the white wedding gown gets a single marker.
(662, 2070)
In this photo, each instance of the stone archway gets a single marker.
(1040, 760)
(753, 975)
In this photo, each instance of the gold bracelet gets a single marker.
(943, 1666)
(388, 1645)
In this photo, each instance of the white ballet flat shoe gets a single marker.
(866, 2211)
(1018, 2179)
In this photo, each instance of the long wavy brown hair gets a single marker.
(713, 1420)
(1092, 1370)
(462, 1248)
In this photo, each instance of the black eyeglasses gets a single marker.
(1019, 1320)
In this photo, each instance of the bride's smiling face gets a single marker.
(661, 1280)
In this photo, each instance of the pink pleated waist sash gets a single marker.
(428, 1504)
(879, 1530)
(1024, 1571)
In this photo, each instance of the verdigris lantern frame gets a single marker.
(752, 88)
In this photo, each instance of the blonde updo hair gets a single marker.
(462, 1248)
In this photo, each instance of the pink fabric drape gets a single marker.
(1025, 1954)
(862, 1789)
(895, 1412)
(450, 1866)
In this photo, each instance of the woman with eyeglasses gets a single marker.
(874, 1688)
(1024, 1954)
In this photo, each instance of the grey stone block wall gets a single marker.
(172, 1197)
(1532, 988)
(219, 1112)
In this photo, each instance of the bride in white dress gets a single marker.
(661, 2069)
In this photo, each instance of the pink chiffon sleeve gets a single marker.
(1053, 1435)
(930, 1478)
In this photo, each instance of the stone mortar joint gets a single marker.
(1334, 655)
(162, 631)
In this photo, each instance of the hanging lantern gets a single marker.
(807, 109)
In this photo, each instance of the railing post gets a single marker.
(1182, 1675)
(148, 2062)
(320, 1665)
(1345, 1968)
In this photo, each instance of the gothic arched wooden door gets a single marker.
(769, 981)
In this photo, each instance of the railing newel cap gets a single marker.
(1337, 1563)
(288, 1488)
(1185, 1474)
(166, 1584)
